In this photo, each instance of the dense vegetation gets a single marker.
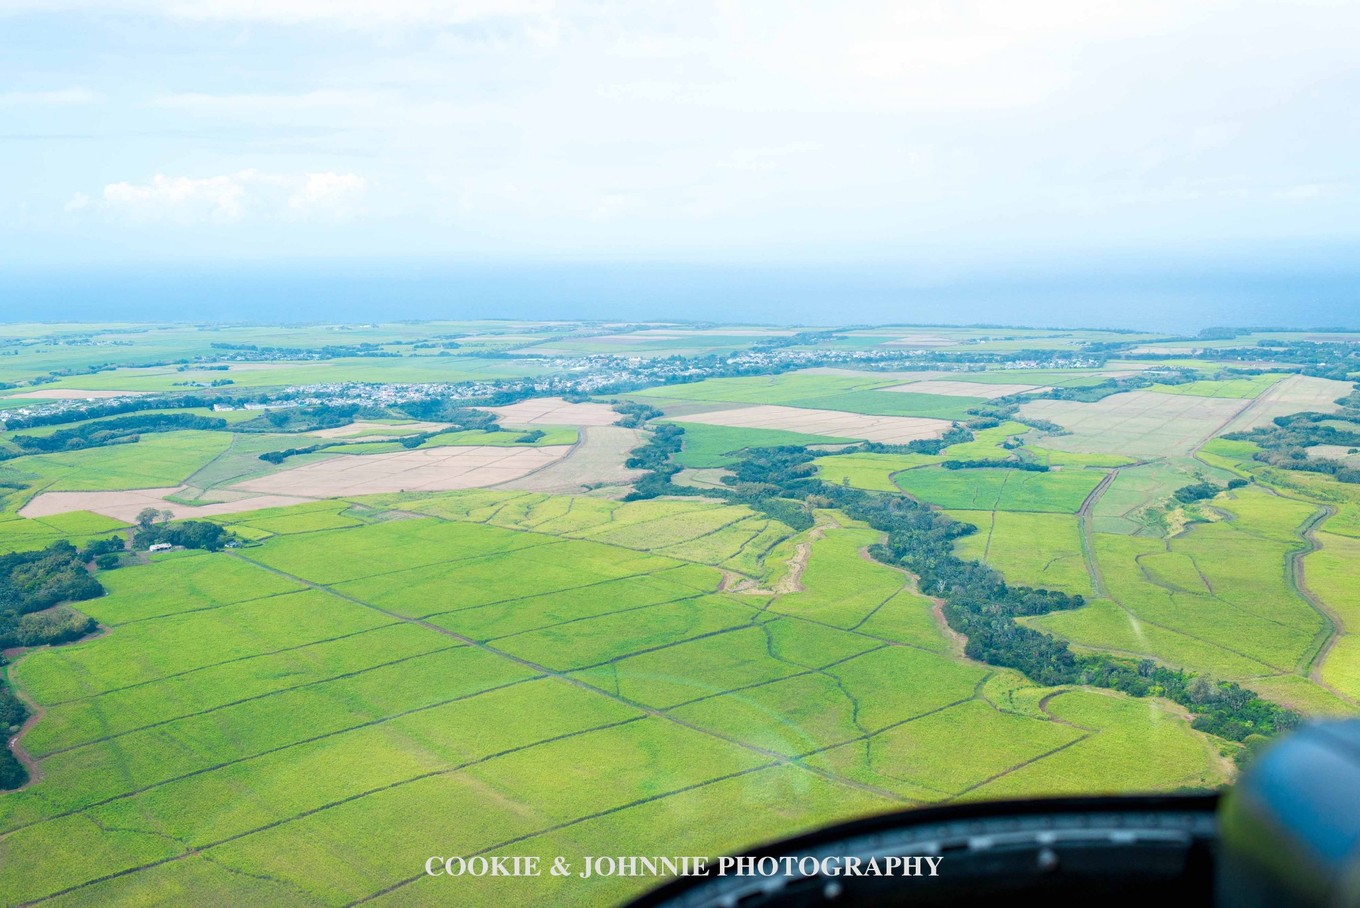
(119, 430)
(154, 528)
(31, 584)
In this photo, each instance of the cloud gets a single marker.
(59, 96)
(230, 198)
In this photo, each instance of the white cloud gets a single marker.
(229, 198)
(332, 193)
(58, 96)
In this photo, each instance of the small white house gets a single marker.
(161, 547)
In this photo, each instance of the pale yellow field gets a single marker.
(419, 470)
(834, 423)
(554, 411)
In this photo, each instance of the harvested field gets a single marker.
(127, 504)
(420, 470)
(1296, 394)
(554, 411)
(1138, 423)
(887, 429)
(596, 460)
(1334, 452)
(965, 389)
(379, 430)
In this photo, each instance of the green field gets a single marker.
(443, 662)
(1216, 596)
(991, 488)
(1038, 550)
(820, 392)
(1237, 388)
(714, 446)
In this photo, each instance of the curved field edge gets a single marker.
(795, 700)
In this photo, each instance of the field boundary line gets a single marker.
(263, 753)
(190, 671)
(193, 850)
(566, 677)
(263, 696)
(573, 822)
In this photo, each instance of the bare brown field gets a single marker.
(834, 423)
(554, 411)
(1136, 423)
(418, 470)
(1296, 394)
(596, 460)
(964, 389)
(128, 503)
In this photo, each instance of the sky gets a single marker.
(981, 143)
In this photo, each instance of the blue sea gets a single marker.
(1180, 299)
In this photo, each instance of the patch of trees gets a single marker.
(455, 412)
(109, 408)
(154, 527)
(655, 458)
(119, 430)
(278, 457)
(530, 437)
(1025, 465)
(634, 415)
(301, 419)
(1203, 490)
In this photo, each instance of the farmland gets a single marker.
(396, 637)
(574, 588)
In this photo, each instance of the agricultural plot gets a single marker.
(869, 471)
(1218, 597)
(1295, 394)
(554, 411)
(442, 663)
(707, 446)
(1135, 423)
(157, 460)
(1329, 573)
(421, 469)
(1000, 489)
(78, 527)
(886, 429)
(1132, 501)
(1038, 550)
(822, 392)
(596, 461)
(964, 389)
(1235, 388)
